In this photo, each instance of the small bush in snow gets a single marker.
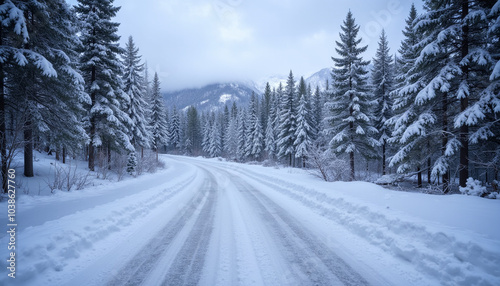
(493, 195)
(390, 179)
(327, 166)
(473, 188)
(67, 177)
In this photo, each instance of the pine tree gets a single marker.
(206, 130)
(254, 133)
(131, 163)
(412, 124)
(318, 111)
(486, 137)
(214, 139)
(193, 129)
(157, 122)
(135, 89)
(101, 70)
(174, 131)
(453, 53)
(304, 131)
(288, 121)
(13, 29)
(350, 118)
(382, 82)
(265, 106)
(231, 137)
(270, 132)
(43, 83)
(241, 147)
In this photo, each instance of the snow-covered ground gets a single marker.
(209, 222)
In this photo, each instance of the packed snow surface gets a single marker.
(210, 222)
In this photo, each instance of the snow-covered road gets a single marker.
(205, 222)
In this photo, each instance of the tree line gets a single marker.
(67, 86)
(429, 110)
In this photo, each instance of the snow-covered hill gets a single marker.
(318, 78)
(210, 97)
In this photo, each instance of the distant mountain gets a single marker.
(319, 78)
(211, 97)
(215, 96)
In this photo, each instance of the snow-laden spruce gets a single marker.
(107, 121)
(350, 118)
(382, 82)
(157, 120)
(133, 86)
(288, 121)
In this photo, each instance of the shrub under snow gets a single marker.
(473, 188)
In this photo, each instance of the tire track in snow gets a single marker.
(461, 262)
(140, 266)
(311, 258)
(188, 265)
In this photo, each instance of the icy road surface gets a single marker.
(204, 222)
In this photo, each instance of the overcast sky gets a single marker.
(195, 42)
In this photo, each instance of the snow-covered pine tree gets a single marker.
(215, 138)
(231, 137)
(265, 106)
(475, 38)
(412, 124)
(13, 29)
(137, 108)
(131, 163)
(350, 120)
(174, 138)
(288, 121)
(44, 82)
(272, 122)
(241, 147)
(487, 106)
(157, 122)
(193, 129)
(206, 130)
(383, 83)
(254, 140)
(311, 116)
(257, 139)
(318, 111)
(304, 131)
(452, 59)
(101, 70)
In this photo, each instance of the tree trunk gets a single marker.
(351, 157)
(429, 164)
(109, 156)
(429, 171)
(64, 154)
(28, 147)
(383, 158)
(58, 153)
(419, 177)
(92, 125)
(464, 102)
(444, 142)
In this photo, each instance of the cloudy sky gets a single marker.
(195, 42)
